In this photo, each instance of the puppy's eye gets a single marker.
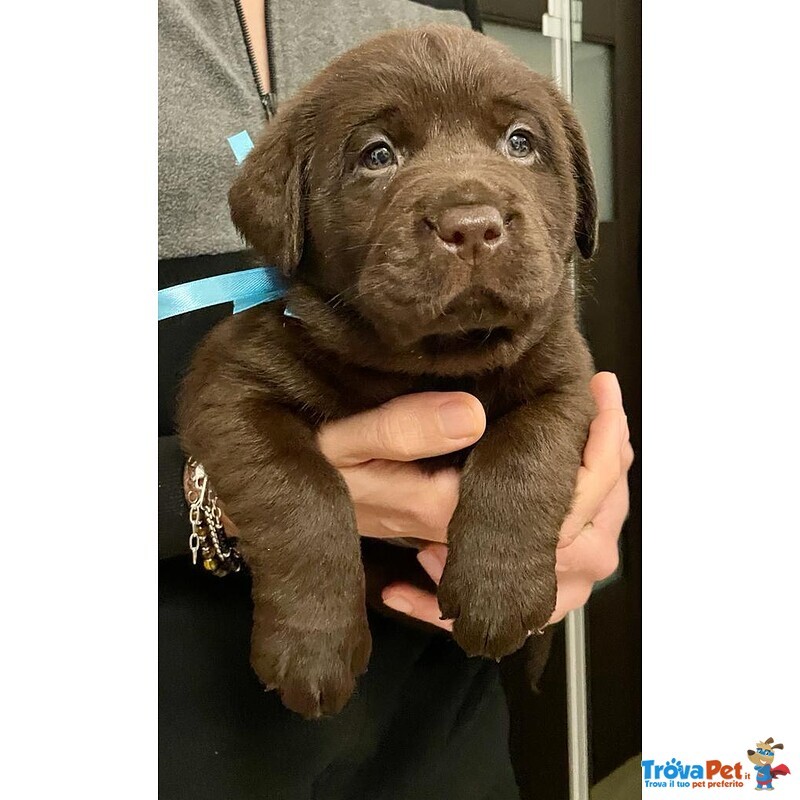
(378, 156)
(519, 144)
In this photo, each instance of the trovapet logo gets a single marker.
(762, 757)
(717, 774)
(675, 774)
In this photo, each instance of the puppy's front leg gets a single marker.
(499, 582)
(298, 536)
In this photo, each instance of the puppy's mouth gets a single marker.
(476, 321)
(464, 341)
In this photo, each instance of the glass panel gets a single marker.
(591, 78)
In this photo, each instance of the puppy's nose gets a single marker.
(470, 231)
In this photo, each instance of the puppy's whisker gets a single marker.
(362, 246)
(337, 300)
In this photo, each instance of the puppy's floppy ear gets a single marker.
(586, 224)
(266, 199)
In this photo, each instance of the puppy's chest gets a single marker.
(343, 392)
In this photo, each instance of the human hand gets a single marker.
(375, 451)
(587, 549)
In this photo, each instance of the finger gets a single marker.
(432, 559)
(604, 534)
(606, 525)
(405, 429)
(594, 555)
(571, 595)
(376, 526)
(608, 398)
(592, 492)
(606, 392)
(606, 457)
(628, 456)
(393, 499)
(416, 603)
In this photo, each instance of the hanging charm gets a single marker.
(219, 554)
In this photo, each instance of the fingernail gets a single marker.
(431, 563)
(457, 420)
(398, 603)
(617, 389)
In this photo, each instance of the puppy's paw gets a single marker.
(497, 605)
(314, 671)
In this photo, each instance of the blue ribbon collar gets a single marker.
(245, 289)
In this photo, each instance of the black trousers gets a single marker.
(426, 722)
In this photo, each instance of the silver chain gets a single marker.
(208, 534)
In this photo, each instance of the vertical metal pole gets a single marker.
(562, 51)
(577, 721)
(577, 711)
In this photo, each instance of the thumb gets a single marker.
(405, 429)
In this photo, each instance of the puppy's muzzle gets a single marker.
(469, 232)
(476, 318)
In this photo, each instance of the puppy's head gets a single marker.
(430, 188)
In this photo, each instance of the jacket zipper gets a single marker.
(268, 99)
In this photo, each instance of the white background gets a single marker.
(721, 385)
(721, 407)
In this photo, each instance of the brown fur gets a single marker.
(386, 310)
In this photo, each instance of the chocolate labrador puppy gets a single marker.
(424, 195)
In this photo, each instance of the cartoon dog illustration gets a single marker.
(762, 757)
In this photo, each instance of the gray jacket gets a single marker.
(206, 93)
